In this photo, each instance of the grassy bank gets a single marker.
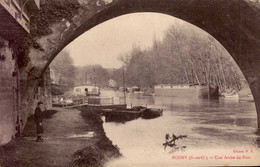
(102, 150)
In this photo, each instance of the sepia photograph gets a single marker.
(129, 83)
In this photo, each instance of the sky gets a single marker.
(105, 42)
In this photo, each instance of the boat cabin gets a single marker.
(86, 91)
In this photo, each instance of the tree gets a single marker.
(184, 56)
(92, 75)
(63, 68)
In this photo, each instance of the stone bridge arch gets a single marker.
(234, 23)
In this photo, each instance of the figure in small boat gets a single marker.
(170, 141)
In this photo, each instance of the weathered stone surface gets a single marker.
(8, 86)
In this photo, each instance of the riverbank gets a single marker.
(101, 151)
(71, 138)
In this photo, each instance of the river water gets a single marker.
(214, 129)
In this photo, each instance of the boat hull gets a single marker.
(199, 91)
(151, 113)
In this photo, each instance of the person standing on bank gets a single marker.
(38, 117)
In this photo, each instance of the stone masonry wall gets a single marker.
(12, 117)
(8, 92)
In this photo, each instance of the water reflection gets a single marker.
(120, 118)
(209, 124)
(123, 118)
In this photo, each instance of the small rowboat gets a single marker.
(151, 113)
(133, 113)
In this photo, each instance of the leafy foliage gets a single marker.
(20, 47)
(184, 56)
(92, 75)
(51, 12)
(64, 69)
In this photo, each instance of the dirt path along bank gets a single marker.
(72, 138)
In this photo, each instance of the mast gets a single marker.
(94, 76)
(86, 78)
(124, 82)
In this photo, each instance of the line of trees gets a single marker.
(65, 73)
(184, 56)
(92, 75)
(63, 68)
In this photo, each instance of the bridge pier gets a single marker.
(257, 105)
(253, 78)
(256, 96)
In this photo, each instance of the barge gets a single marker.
(200, 91)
